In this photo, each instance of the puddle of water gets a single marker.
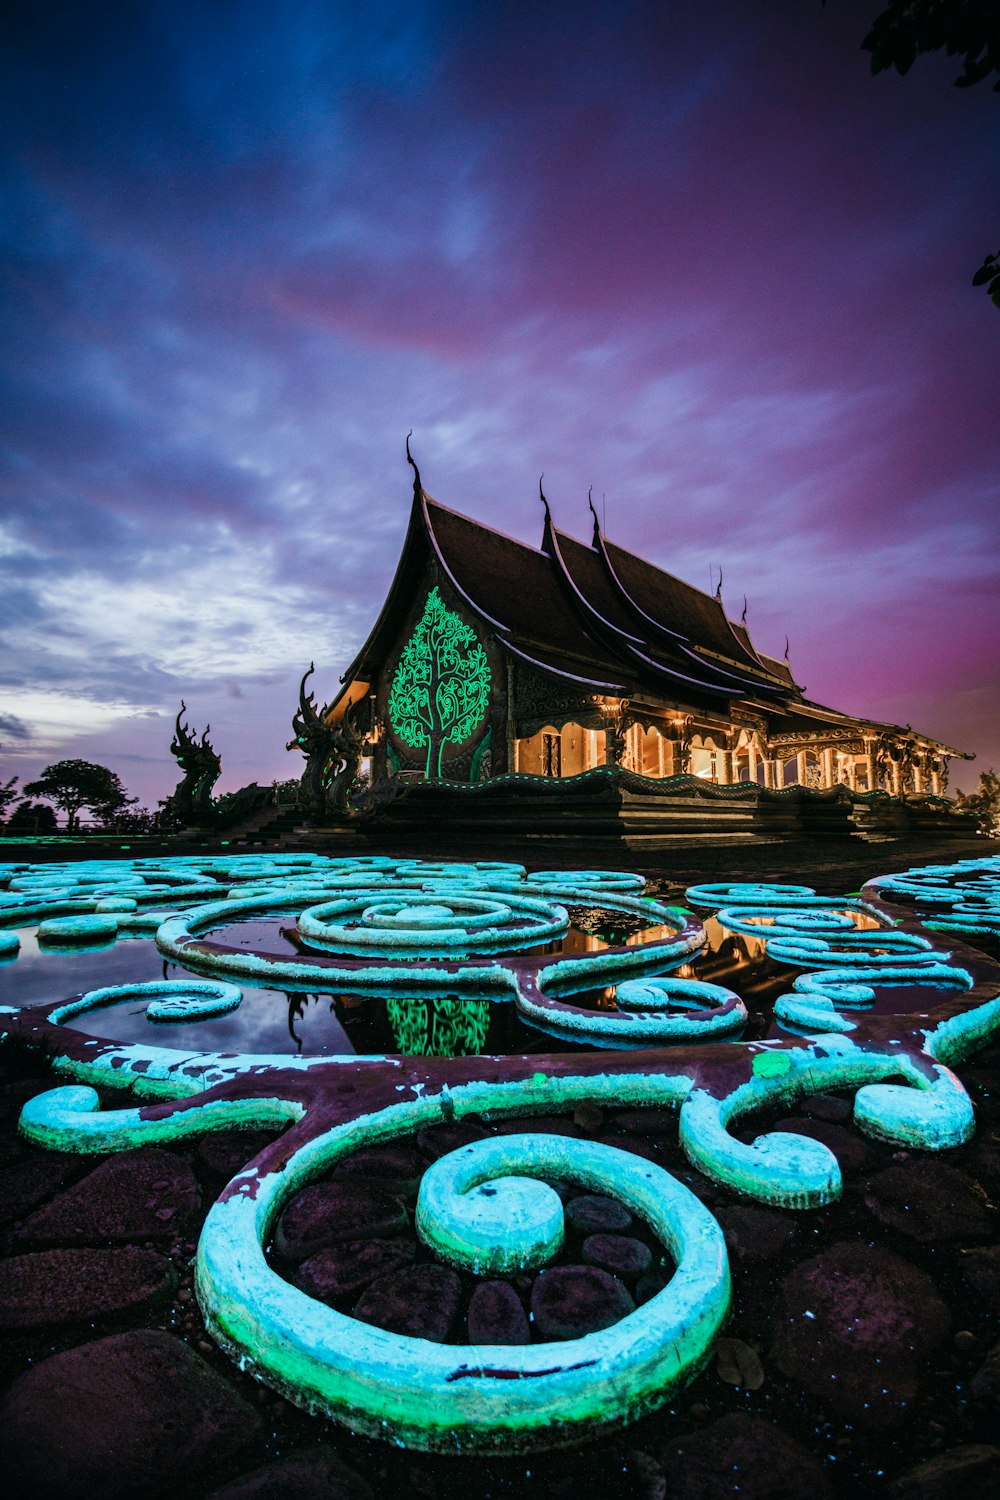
(324, 1022)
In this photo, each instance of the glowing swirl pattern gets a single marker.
(651, 1012)
(465, 1398)
(964, 897)
(431, 925)
(488, 1207)
(169, 1000)
(849, 963)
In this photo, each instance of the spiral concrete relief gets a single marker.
(880, 996)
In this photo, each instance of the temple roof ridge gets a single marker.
(450, 510)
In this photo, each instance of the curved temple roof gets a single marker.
(598, 617)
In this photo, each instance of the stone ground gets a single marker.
(861, 1358)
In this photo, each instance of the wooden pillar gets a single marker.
(800, 761)
(724, 761)
(868, 761)
(936, 783)
(752, 760)
(660, 742)
(918, 779)
(511, 726)
(897, 779)
(826, 765)
(768, 772)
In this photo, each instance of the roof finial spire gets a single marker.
(593, 512)
(718, 588)
(786, 648)
(541, 496)
(744, 609)
(417, 486)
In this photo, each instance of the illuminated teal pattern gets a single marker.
(418, 931)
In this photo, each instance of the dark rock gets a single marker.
(146, 1194)
(650, 1122)
(348, 1267)
(848, 1147)
(984, 1160)
(437, 1140)
(569, 1301)
(315, 1474)
(929, 1201)
(981, 1269)
(327, 1212)
(496, 1315)
(645, 1478)
(984, 1387)
(589, 1117)
(650, 1285)
(756, 1234)
(618, 1253)
(30, 1180)
(744, 1456)
(419, 1301)
(981, 1083)
(72, 1286)
(832, 1107)
(971, 1470)
(129, 1417)
(223, 1153)
(15, 1094)
(859, 1325)
(589, 1214)
(651, 1150)
(397, 1169)
(537, 1125)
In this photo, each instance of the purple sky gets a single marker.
(693, 255)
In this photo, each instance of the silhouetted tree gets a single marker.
(968, 29)
(8, 794)
(31, 818)
(75, 784)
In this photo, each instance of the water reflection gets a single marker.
(438, 1026)
(338, 1021)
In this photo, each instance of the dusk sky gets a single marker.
(694, 255)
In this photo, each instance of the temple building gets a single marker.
(491, 658)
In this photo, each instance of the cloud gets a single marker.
(13, 727)
(59, 717)
(695, 257)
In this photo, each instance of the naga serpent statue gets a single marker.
(191, 801)
(333, 755)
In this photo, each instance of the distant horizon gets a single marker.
(696, 258)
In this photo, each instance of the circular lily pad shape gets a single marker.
(425, 925)
(72, 930)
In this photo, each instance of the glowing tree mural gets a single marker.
(441, 686)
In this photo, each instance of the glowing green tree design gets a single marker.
(441, 686)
